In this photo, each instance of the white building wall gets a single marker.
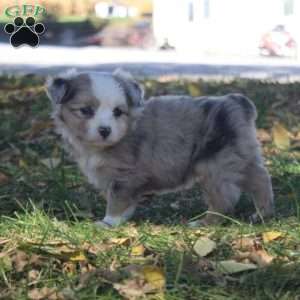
(234, 26)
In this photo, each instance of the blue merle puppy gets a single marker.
(129, 148)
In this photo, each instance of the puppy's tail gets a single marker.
(246, 105)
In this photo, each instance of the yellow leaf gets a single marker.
(154, 276)
(77, 256)
(204, 246)
(271, 235)
(120, 241)
(281, 137)
(138, 250)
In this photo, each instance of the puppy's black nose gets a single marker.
(104, 131)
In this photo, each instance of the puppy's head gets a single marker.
(95, 107)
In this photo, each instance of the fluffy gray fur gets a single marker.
(170, 143)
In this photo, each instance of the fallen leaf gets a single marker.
(281, 137)
(138, 250)
(45, 293)
(121, 241)
(261, 257)
(51, 163)
(77, 256)
(33, 275)
(204, 246)
(69, 268)
(263, 136)
(244, 244)
(271, 236)
(154, 276)
(232, 267)
(3, 178)
(4, 241)
(97, 248)
(133, 289)
(20, 260)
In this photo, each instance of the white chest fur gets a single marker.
(91, 166)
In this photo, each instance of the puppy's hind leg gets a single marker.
(119, 209)
(221, 200)
(258, 183)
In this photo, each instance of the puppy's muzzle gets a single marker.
(104, 131)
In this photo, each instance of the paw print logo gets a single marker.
(24, 32)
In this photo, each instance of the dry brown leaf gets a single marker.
(3, 178)
(35, 259)
(241, 256)
(45, 293)
(261, 257)
(97, 248)
(20, 260)
(264, 136)
(69, 268)
(281, 136)
(4, 241)
(53, 243)
(271, 236)
(133, 289)
(246, 244)
(144, 280)
(33, 275)
(138, 250)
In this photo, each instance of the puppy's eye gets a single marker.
(87, 111)
(117, 112)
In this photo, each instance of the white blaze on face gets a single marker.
(110, 95)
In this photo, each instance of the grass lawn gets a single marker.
(50, 248)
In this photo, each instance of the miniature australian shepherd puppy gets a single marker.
(129, 148)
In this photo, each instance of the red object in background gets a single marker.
(278, 42)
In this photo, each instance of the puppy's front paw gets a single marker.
(109, 222)
(102, 224)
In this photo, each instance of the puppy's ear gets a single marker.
(133, 90)
(60, 90)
